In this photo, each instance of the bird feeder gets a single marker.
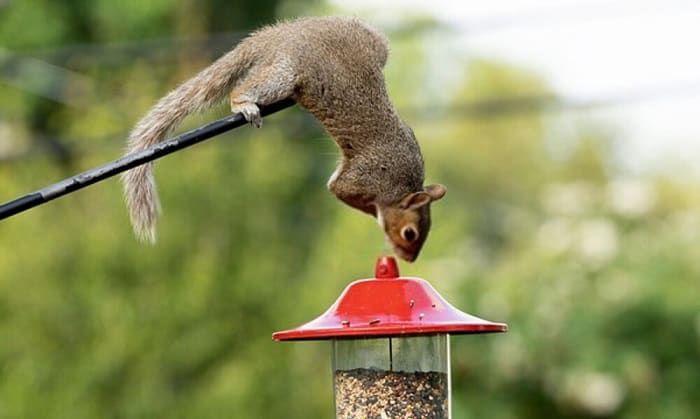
(391, 349)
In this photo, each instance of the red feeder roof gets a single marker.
(389, 306)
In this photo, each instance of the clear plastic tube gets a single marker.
(397, 377)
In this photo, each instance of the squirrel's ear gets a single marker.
(415, 200)
(435, 191)
(418, 199)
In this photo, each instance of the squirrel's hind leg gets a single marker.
(262, 86)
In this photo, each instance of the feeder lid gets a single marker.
(389, 306)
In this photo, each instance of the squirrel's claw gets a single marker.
(250, 112)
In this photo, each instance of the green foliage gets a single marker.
(595, 272)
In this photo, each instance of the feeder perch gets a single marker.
(391, 351)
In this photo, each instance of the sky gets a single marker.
(642, 55)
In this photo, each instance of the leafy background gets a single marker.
(595, 270)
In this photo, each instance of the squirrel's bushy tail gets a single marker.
(201, 92)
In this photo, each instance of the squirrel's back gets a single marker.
(309, 39)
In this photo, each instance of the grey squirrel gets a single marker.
(331, 66)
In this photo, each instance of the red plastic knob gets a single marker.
(386, 268)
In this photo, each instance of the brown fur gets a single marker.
(331, 66)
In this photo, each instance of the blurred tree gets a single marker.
(595, 272)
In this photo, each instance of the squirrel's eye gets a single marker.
(409, 234)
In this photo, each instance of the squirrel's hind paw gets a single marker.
(250, 112)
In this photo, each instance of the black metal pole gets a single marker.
(130, 161)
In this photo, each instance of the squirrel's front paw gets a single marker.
(250, 112)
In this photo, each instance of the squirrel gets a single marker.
(332, 67)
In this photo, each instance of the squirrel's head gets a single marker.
(407, 223)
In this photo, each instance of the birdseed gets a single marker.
(377, 394)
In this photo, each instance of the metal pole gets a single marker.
(130, 161)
